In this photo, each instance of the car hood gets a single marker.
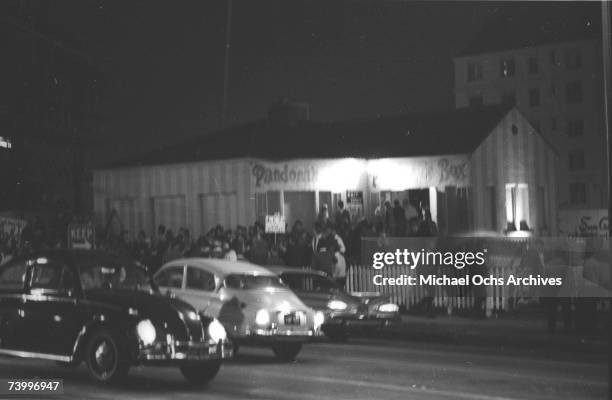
(161, 310)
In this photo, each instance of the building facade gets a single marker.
(502, 180)
(558, 87)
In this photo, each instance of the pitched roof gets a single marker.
(415, 134)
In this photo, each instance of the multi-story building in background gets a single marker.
(556, 80)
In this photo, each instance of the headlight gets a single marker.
(319, 318)
(193, 316)
(146, 332)
(390, 307)
(216, 331)
(262, 318)
(337, 305)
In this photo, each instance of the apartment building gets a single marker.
(558, 87)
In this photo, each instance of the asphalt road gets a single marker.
(361, 369)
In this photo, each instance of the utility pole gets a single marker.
(228, 41)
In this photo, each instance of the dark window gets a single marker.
(51, 276)
(476, 101)
(170, 277)
(576, 160)
(248, 282)
(573, 92)
(12, 275)
(534, 97)
(508, 99)
(577, 193)
(200, 279)
(507, 67)
(532, 65)
(474, 71)
(573, 58)
(575, 127)
(554, 59)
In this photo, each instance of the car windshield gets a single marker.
(248, 282)
(308, 282)
(113, 273)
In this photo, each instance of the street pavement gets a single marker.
(360, 369)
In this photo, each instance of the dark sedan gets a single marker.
(344, 312)
(72, 306)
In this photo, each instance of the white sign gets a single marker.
(584, 223)
(275, 223)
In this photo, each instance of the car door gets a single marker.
(12, 287)
(170, 279)
(200, 291)
(53, 317)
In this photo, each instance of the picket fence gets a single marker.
(495, 298)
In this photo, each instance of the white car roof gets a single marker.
(220, 267)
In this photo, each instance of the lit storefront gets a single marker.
(499, 176)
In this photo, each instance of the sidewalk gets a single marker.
(507, 331)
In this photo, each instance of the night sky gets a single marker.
(162, 61)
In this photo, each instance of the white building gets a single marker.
(475, 169)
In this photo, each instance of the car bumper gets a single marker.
(370, 320)
(260, 336)
(179, 352)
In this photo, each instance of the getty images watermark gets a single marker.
(538, 267)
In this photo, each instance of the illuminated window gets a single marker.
(507, 67)
(5, 143)
(517, 207)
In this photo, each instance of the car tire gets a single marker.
(287, 351)
(201, 374)
(104, 358)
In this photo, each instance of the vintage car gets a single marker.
(344, 312)
(251, 302)
(75, 305)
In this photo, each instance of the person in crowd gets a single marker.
(323, 216)
(342, 218)
(399, 218)
(410, 210)
(389, 222)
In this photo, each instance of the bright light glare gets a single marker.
(390, 308)
(337, 305)
(146, 332)
(262, 318)
(342, 174)
(216, 331)
(319, 318)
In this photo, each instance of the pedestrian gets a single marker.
(399, 218)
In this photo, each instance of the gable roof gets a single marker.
(415, 134)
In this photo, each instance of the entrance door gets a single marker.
(300, 206)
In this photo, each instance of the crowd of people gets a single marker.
(332, 245)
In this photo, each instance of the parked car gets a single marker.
(251, 302)
(75, 305)
(344, 313)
